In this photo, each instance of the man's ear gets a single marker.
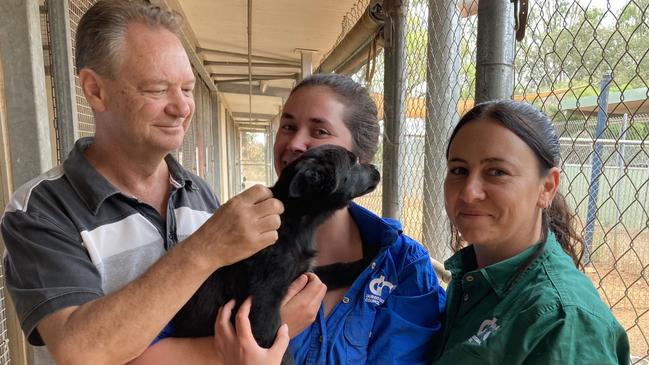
(94, 88)
(549, 187)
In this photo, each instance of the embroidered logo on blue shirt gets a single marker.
(376, 288)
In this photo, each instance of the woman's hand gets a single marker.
(237, 346)
(302, 302)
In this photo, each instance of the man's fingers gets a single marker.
(256, 194)
(268, 238)
(269, 223)
(281, 341)
(269, 207)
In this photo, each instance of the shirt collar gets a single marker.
(499, 274)
(382, 230)
(94, 189)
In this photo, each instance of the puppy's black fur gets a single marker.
(321, 181)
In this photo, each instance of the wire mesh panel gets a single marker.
(49, 78)
(196, 135)
(84, 112)
(373, 81)
(198, 139)
(585, 64)
(4, 337)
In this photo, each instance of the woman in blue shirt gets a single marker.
(376, 316)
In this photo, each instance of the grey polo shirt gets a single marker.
(72, 237)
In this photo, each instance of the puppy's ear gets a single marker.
(305, 181)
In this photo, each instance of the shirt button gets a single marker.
(466, 297)
(373, 265)
(320, 339)
(345, 300)
(469, 278)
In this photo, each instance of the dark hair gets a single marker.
(537, 131)
(102, 29)
(361, 113)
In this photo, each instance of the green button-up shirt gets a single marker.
(550, 313)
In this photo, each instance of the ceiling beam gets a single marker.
(245, 56)
(265, 76)
(253, 64)
(256, 90)
(259, 116)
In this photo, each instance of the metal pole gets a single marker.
(442, 97)
(620, 174)
(356, 39)
(596, 172)
(250, 58)
(394, 96)
(66, 123)
(28, 126)
(495, 51)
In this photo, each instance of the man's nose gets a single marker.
(179, 105)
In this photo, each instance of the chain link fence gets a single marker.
(422, 211)
(569, 48)
(576, 56)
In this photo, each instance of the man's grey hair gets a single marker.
(102, 30)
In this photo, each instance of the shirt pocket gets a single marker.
(357, 331)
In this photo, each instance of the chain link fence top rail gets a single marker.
(559, 65)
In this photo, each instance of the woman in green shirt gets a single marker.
(517, 295)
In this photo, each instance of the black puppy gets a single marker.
(321, 181)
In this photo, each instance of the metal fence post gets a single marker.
(596, 171)
(394, 95)
(442, 99)
(63, 75)
(495, 51)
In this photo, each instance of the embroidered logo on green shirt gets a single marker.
(487, 327)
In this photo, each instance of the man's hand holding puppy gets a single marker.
(242, 226)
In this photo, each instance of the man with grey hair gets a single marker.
(93, 262)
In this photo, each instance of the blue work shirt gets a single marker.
(391, 313)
